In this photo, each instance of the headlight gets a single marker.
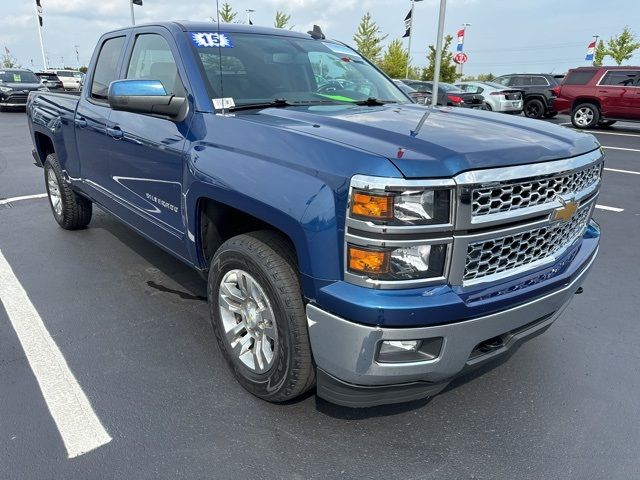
(411, 207)
(400, 263)
(5, 89)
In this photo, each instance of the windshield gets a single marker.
(447, 87)
(255, 69)
(19, 76)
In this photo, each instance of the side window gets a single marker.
(519, 82)
(152, 60)
(106, 68)
(579, 77)
(619, 78)
(539, 81)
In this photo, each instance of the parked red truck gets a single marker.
(599, 96)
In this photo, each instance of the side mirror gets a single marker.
(146, 96)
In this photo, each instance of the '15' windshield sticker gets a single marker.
(341, 49)
(208, 39)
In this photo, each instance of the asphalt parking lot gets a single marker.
(132, 325)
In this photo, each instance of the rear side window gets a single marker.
(620, 78)
(152, 60)
(106, 68)
(579, 77)
(538, 81)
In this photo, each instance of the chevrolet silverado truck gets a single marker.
(351, 240)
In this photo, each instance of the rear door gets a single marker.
(618, 93)
(146, 160)
(92, 117)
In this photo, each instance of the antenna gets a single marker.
(316, 33)
(220, 57)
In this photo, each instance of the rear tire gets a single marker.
(534, 108)
(70, 210)
(585, 115)
(487, 107)
(258, 316)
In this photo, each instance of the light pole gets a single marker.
(464, 40)
(436, 67)
(249, 12)
(406, 74)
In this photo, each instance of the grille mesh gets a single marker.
(514, 195)
(505, 253)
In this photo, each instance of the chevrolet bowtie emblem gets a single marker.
(566, 211)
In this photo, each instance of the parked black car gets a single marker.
(50, 80)
(416, 96)
(448, 94)
(15, 85)
(539, 89)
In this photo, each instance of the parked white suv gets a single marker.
(71, 79)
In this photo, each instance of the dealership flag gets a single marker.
(590, 49)
(460, 39)
(407, 25)
(39, 9)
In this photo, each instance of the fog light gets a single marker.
(395, 346)
(401, 351)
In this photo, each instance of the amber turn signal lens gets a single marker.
(368, 261)
(372, 206)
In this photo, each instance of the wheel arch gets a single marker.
(578, 100)
(44, 146)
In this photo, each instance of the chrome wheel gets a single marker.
(54, 192)
(584, 116)
(248, 320)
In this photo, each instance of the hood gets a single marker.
(22, 86)
(432, 142)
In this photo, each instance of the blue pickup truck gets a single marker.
(351, 239)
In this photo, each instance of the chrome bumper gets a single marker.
(347, 351)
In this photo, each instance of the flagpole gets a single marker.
(133, 17)
(406, 74)
(436, 67)
(44, 58)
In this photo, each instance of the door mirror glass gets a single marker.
(146, 96)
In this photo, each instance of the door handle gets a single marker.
(115, 132)
(80, 122)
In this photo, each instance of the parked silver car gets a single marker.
(496, 96)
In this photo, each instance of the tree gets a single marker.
(395, 59)
(226, 14)
(369, 39)
(8, 60)
(447, 67)
(599, 54)
(621, 47)
(282, 20)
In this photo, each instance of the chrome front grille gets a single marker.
(513, 195)
(509, 252)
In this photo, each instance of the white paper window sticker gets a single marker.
(223, 103)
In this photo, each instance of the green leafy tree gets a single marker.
(83, 69)
(395, 59)
(282, 20)
(599, 54)
(226, 13)
(447, 67)
(369, 39)
(9, 61)
(621, 47)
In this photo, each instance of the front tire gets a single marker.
(534, 108)
(70, 210)
(585, 115)
(258, 316)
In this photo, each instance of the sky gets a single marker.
(546, 36)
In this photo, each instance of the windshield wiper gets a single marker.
(281, 102)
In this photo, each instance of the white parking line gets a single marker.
(610, 209)
(621, 148)
(621, 171)
(79, 427)
(613, 133)
(26, 197)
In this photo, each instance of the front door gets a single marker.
(146, 160)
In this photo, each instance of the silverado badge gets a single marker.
(566, 211)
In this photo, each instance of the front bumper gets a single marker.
(346, 353)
